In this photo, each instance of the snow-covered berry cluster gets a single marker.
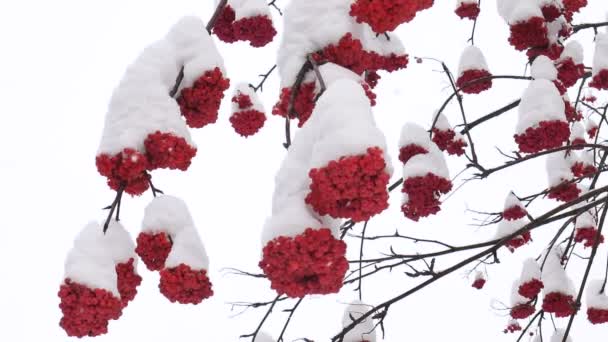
(245, 20)
(247, 111)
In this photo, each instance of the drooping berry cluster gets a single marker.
(560, 304)
(184, 285)
(313, 262)
(474, 81)
(531, 288)
(547, 135)
(386, 15)
(153, 249)
(423, 195)
(588, 236)
(447, 140)
(126, 170)
(127, 280)
(258, 30)
(352, 187)
(200, 103)
(468, 9)
(246, 118)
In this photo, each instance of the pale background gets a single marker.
(60, 61)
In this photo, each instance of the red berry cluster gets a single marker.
(246, 121)
(470, 82)
(518, 241)
(153, 249)
(560, 304)
(408, 151)
(128, 281)
(349, 53)
(528, 34)
(565, 192)
(386, 15)
(514, 213)
(423, 195)
(522, 311)
(592, 131)
(167, 151)
(469, 10)
(479, 283)
(572, 114)
(548, 135)
(257, 30)
(126, 169)
(600, 80)
(572, 6)
(552, 51)
(184, 285)
(511, 328)
(351, 187)
(551, 12)
(446, 141)
(597, 316)
(86, 312)
(200, 103)
(569, 73)
(531, 288)
(580, 170)
(303, 104)
(313, 262)
(588, 236)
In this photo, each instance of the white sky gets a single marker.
(60, 61)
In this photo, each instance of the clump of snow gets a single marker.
(543, 69)
(188, 249)
(472, 59)
(600, 59)
(506, 227)
(574, 50)
(412, 133)
(264, 337)
(422, 164)
(441, 122)
(554, 276)
(577, 131)
(363, 331)
(558, 336)
(595, 298)
(523, 10)
(559, 168)
(541, 101)
(248, 8)
(585, 220)
(512, 201)
(531, 270)
(166, 214)
(93, 258)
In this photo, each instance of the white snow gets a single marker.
(558, 168)
(574, 50)
(166, 214)
(554, 277)
(600, 59)
(541, 101)
(530, 270)
(523, 10)
(558, 336)
(516, 298)
(412, 133)
(264, 337)
(577, 131)
(472, 59)
(543, 68)
(442, 122)
(188, 249)
(422, 164)
(362, 331)
(596, 299)
(506, 228)
(249, 8)
(467, 2)
(512, 201)
(92, 259)
(585, 220)
(590, 124)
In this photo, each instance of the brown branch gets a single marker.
(492, 115)
(291, 312)
(594, 26)
(216, 15)
(264, 78)
(254, 335)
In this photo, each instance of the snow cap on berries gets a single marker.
(245, 97)
(414, 134)
(188, 249)
(554, 276)
(521, 11)
(543, 69)
(600, 62)
(573, 50)
(364, 331)
(531, 270)
(513, 208)
(90, 264)
(195, 49)
(595, 298)
(540, 102)
(472, 59)
(558, 168)
(591, 127)
(166, 213)
(422, 164)
(577, 133)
